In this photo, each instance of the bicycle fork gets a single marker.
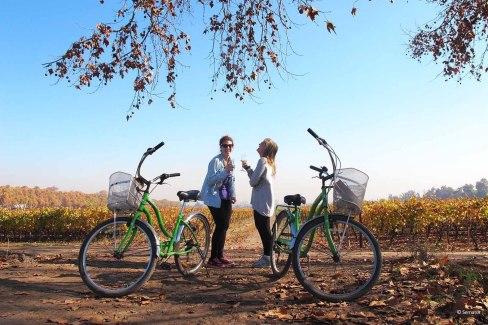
(336, 251)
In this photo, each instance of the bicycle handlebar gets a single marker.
(312, 133)
(161, 178)
(164, 177)
(331, 152)
(150, 151)
(320, 170)
(319, 139)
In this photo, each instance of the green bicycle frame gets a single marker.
(166, 247)
(316, 209)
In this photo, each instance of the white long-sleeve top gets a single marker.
(261, 181)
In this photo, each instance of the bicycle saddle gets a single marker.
(192, 195)
(295, 200)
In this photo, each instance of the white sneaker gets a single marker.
(264, 261)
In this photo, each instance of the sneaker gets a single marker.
(264, 261)
(226, 262)
(214, 262)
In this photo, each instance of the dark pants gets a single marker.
(263, 225)
(221, 217)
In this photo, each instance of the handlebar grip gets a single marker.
(316, 168)
(158, 146)
(313, 133)
(150, 151)
(173, 175)
(319, 139)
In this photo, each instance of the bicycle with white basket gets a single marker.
(334, 256)
(119, 255)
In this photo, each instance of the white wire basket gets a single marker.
(349, 190)
(122, 193)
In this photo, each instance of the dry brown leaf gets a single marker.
(312, 12)
(367, 314)
(443, 261)
(377, 303)
(330, 27)
(392, 301)
(326, 316)
(406, 303)
(69, 301)
(280, 313)
(419, 288)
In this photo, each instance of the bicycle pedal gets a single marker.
(165, 266)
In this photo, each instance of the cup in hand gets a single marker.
(244, 162)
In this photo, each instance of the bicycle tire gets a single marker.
(282, 237)
(348, 278)
(110, 275)
(197, 241)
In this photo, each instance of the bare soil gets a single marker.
(40, 284)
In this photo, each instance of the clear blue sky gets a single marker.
(383, 112)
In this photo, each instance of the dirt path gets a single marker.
(40, 284)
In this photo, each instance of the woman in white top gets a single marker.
(262, 198)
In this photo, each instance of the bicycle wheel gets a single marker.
(347, 277)
(281, 248)
(111, 274)
(195, 241)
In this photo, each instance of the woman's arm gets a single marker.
(256, 174)
(216, 172)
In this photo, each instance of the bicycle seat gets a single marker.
(295, 200)
(191, 195)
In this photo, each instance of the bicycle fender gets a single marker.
(186, 219)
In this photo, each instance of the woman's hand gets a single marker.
(229, 168)
(233, 200)
(245, 165)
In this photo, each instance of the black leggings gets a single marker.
(263, 225)
(221, 217)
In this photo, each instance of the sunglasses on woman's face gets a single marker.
(225, 145)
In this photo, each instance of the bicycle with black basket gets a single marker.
(334, 256)
(120, 254)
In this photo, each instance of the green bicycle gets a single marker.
(335, 257)
(119, 255)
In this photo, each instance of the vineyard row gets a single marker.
(438, 221)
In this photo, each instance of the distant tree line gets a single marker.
(23, 197)
(479, 190)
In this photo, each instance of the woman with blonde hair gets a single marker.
(262, 197)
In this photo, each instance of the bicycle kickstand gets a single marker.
(164, 265)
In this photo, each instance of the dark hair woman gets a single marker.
(218, 193)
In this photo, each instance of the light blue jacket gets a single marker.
(216, 174)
